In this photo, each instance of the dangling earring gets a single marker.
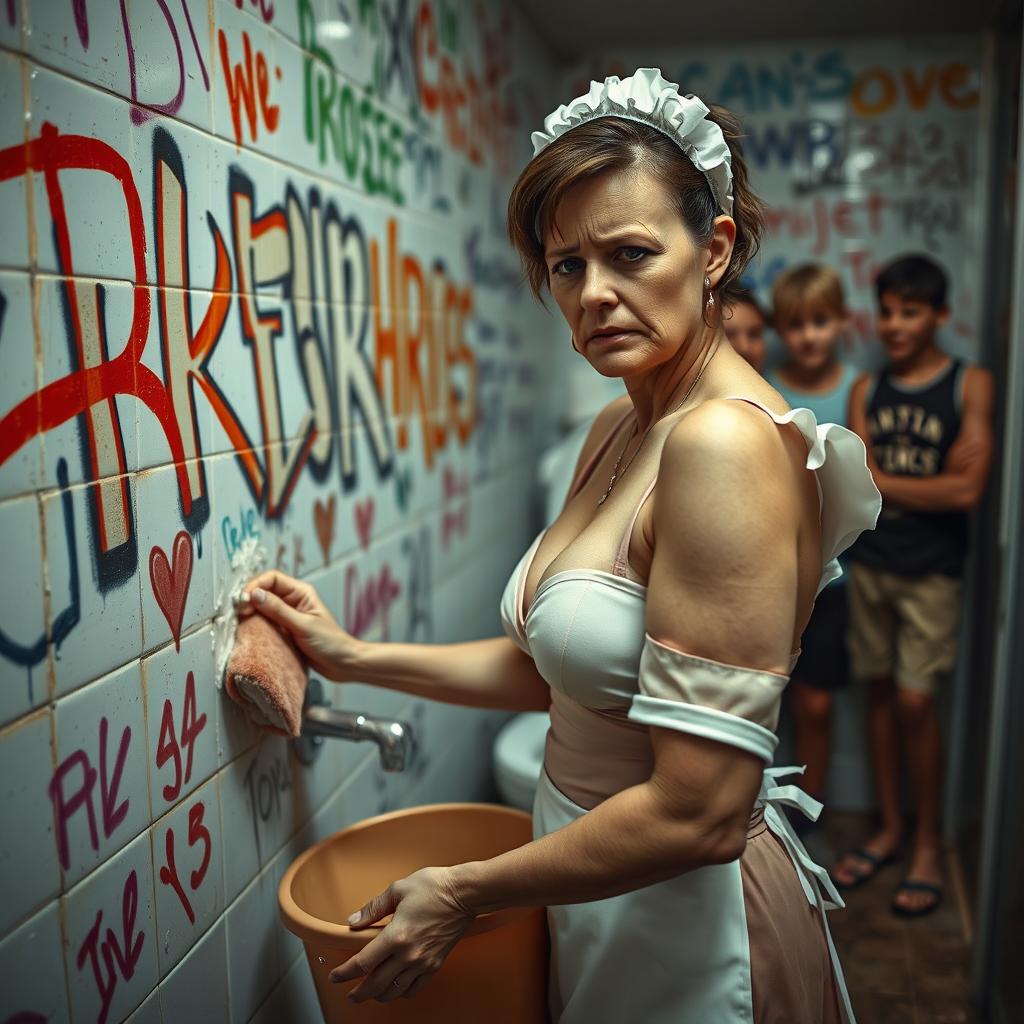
(711, 296)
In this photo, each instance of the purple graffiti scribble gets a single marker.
(195, 44)
(141, 114)
(81, 19)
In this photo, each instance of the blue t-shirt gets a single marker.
(827, 406)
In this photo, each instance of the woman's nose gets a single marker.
(597, 290)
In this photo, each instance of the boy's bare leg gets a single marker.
(920, 722)
(812, 715)
(883, 726)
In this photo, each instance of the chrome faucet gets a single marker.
(394, 740)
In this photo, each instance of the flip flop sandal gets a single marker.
(910, 885)
(876, 862)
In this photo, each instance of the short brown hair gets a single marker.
(807, 288)
(615, 143)
(746, 297)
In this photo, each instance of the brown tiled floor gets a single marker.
(898, 971)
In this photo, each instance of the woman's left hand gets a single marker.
(428, 920)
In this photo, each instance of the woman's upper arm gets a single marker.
(724, 572)
(720, 614)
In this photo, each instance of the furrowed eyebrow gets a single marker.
(601, 240)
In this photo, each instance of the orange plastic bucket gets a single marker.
(496, 974)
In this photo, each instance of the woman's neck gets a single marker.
(662, 389)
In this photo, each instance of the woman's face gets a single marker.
(625, 272)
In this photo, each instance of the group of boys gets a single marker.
(892, 619)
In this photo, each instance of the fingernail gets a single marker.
(243, 597)
(258, 595)
(353, 918)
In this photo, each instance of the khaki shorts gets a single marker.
(903, 626)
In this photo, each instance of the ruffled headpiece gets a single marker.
(647, 97)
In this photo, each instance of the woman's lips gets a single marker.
(610, 337)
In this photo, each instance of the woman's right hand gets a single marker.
(296, 607)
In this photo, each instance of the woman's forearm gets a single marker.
(490, 673)
(629, 841)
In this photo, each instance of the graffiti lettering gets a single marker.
(420, 624)
(120, 956)
(140, 114)
(364, 139)
(368, 605)
(169, 747)
(877, 90)
(244, 94)
(795, 80)
(66, 805)
(265, 787)
(264, 7)
(235, 536)
(454, 488)
(427, 325)
(197, 833)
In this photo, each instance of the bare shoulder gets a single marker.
(728, 434)
(861, 383)
(979, 385)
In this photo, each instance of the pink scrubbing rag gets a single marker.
(266, 675)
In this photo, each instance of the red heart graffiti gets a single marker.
(170, 581)
(323, 520)
(364, 522)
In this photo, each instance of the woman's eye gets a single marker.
(565, 267)
(633, 253)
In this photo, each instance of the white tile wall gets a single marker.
(154, 822)
(28, 857)
(32, 966)
(24, 665)
(197, 989)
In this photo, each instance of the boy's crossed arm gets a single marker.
(961, 483)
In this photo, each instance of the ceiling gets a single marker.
(572, 29)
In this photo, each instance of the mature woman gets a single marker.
(658, 617)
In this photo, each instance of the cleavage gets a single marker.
(589, 550)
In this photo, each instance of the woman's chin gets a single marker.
(615, 364)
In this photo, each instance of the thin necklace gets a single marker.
(615, 471)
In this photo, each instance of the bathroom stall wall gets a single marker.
(863, 150)
(255, 296)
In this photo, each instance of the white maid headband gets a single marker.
(647, 97)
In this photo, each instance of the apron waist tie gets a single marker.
(817, 886)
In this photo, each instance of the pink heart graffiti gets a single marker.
(364, 522)
(323, 520)
(170, 580)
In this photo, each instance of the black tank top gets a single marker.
(912, 427)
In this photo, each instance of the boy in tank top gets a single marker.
(926, 422)
(810, 317)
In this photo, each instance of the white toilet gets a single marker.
(518, 756)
